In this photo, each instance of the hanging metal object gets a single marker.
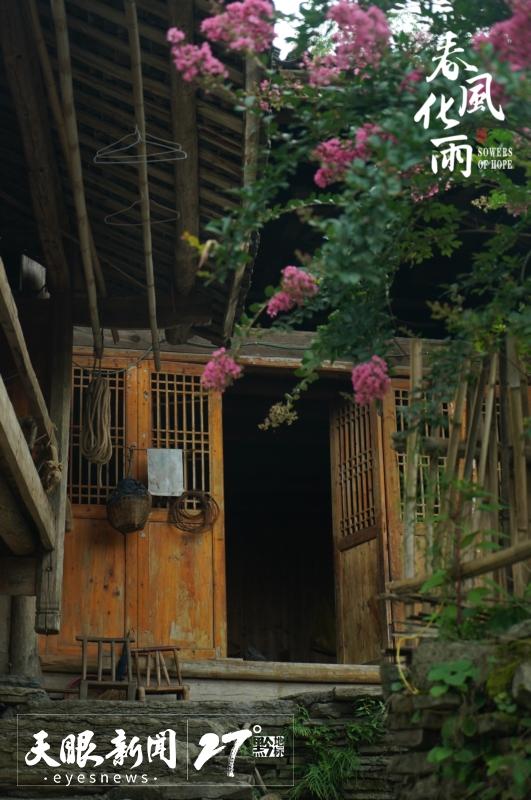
(165, 472)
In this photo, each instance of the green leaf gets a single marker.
(438, 754)
(438, 690)
(438, 578)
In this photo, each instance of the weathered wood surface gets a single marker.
(18, 576)
(28, 96)
(22, 472)
(50, 574)
(15, 530)
(23, 649)
(12, 329)
(238, 670)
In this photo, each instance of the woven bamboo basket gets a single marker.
(128, 511)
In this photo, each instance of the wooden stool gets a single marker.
(106, 681)
(164, 684)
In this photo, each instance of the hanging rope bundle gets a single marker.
(96, 442)
(201, 518)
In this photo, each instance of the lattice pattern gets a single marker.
(426, 484)
(179, 418)
(83, 476)
(356, 463)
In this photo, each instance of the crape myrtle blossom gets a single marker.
(370, 380)
(510, 38)
(194, 61)
(336, 154)
(360, 42)
(247, 25)
(296, 287)
(220, 372)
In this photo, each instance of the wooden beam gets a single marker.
(15, 531)
(129, 312)
(143, 184)
(18, 576)
(10, 324)
(184, 129)
(471, 569)
(250, 168)
(29, 99)
(236, 669)
(22, 472)
(50, 573)
(70, 121)
(57, 113)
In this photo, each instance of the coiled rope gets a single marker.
(96, 442)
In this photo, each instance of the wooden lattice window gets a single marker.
(179, 419)
(356, 469)
(426, 483)
(85, 489)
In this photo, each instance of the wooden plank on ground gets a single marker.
(22, 471)
(10, 324)
(234, 669)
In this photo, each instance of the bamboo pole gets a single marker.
(143, 185)
(57, 113)
(471, 569)
(71, 132)
(517, 440)
(507, 512)
(412, 462)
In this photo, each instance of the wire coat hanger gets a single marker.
(122, 151)
(115, 218)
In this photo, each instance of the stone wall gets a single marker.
(333, 708)
(415, 720)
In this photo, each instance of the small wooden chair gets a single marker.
(164, 684)
(105, 680)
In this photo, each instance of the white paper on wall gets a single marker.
(165, 472)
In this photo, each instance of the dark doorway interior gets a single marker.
(280, 570)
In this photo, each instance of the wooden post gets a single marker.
(78, 190)
(250, 168)
(50, 575)
(23, 651)
(412, 462)
(5, 631)
(57, 113)
(184, 130)
(143, 184)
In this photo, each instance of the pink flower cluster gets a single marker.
(359, 43)
(510, 38)
(410, 79)
(296, 287)
(370, 380)
(335, 154)
(193, 61)
(220, 371)
(247, 25)
(270, 96)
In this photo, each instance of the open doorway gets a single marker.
(278, 523)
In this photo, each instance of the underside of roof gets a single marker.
(185, 194)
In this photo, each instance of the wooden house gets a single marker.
(284, 587)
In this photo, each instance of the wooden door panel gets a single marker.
(175, 588)
(357, 523)
(93, 586)
(360, 609)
